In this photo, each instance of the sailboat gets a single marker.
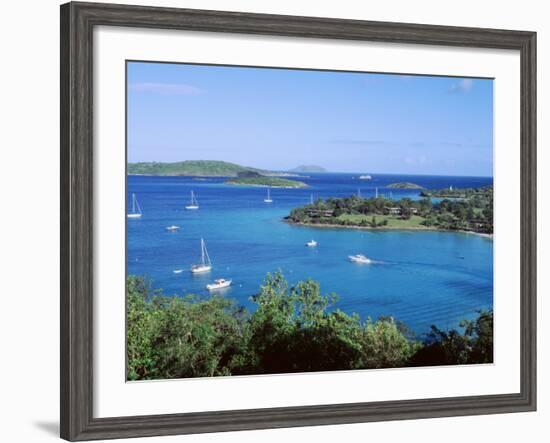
(136, 210)
(205, 265)
(358, 193)
(194, 203)
(268, 199)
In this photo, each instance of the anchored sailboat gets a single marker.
(194, 203)
(268, 199)
(205, 265)
(136, 210)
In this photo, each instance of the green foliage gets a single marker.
(404, 185)
(474, 212)
(205, 168)
(474, 345)
(385, 345)
(293, 329)
(170, 337)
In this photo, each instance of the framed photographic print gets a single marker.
(273, 221)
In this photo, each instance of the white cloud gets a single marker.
(165, 88)
(464, 85)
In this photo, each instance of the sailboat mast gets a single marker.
(133, 203)
(207, 256)
(202, 251)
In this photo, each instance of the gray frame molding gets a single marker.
(77, 24)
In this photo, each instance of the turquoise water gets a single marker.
(421, 278)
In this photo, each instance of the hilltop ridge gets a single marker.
(198, 168)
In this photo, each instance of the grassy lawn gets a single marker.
(393, 222)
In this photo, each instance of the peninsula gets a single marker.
(472, 214)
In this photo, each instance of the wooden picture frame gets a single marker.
(77, 23)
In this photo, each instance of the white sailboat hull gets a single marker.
(205, 264)
(268, 200)
(136, 210)
(194, 203)
(197, 269)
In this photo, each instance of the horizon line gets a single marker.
(289, 170)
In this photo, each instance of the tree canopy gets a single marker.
(293, 329)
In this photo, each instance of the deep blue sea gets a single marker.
(421, 278)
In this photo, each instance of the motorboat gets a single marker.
(359, 258)
(220, 283)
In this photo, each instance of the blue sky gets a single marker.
(279, 118)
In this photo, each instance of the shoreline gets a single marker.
(370, 228)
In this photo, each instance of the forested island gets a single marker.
(404, 185)
(473, 213)
(251, 178)
(197, 168)
(293, 329)
(273, 182)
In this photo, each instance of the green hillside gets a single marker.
(200, 168)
